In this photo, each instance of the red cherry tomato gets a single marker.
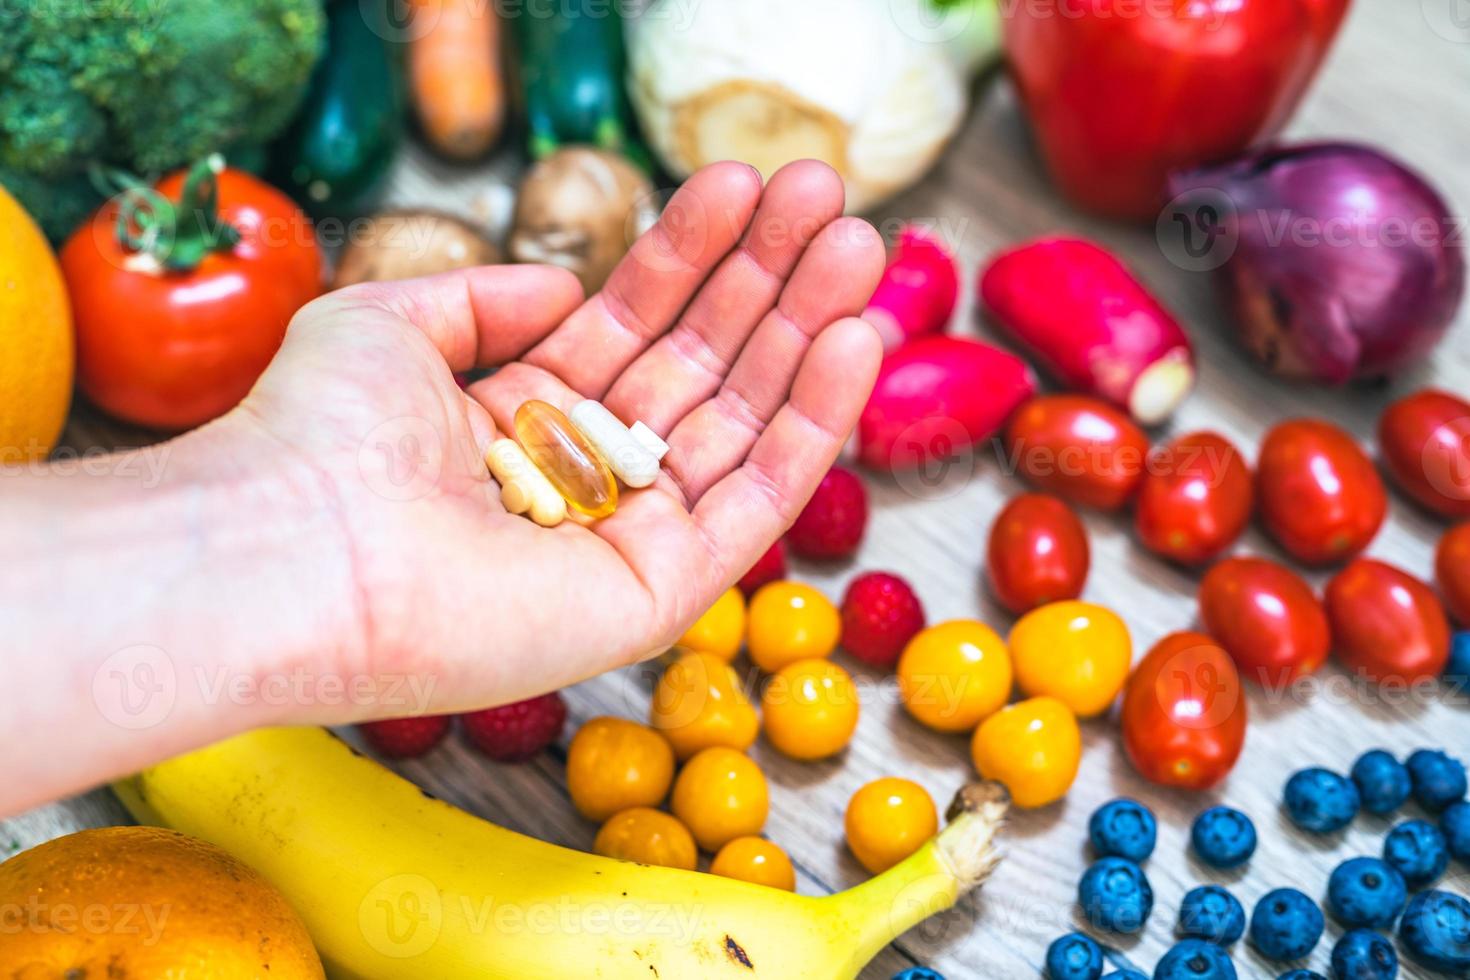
(1184, 714)
(1452, 569)
(1320, 496)
(1425, 439)
(1266, 617)
(173, 348)
(1386, 624)
(1038, 553)
(1195, 499)
(1081, 449)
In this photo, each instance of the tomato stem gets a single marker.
(176, 234)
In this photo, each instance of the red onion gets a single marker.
(918, 292)
(1342, 262)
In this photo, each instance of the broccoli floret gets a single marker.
(147, 85)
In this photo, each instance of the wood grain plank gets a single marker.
(1391, 81)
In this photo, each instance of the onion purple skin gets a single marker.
(1346, 264)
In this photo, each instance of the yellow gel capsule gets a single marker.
(567, 460)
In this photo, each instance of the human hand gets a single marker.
(730, 329)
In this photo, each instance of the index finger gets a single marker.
(655, 281)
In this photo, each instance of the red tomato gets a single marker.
(173, 348)
(1081, 449)
(1386, 624)
(1038, 553)
(1320, 496)
(1452, 569)
(1184, 714)
(1266, 617)
(1195, 499)
(1425, 439)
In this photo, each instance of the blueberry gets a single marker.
(1123, 828)
(1195, 959)
(1074, 957)
(1416, 849)
(1320, 801)
(1211, 913)
(1362, 954)
(1457, 672)
(1286, 924)
(1454, 824)
(1382, 781)
(1115, 895)
(1436, 931)
(1365, 891)
(1126, 974)
(918, 973)
(1438, 780)
(1223, 837)
(1301, 975)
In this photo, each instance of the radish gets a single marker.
(1092, 325)
(918, 292)
(936, 397)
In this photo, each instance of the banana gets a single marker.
(395, 885)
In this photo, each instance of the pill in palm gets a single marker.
(523, 488)
(614, 442)
(649, 440)
(566, 459)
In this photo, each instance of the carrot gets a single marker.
(455, 76)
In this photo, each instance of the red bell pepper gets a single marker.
(1121, 92)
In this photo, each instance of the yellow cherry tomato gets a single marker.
(811, 709)
(954, 675)
(1033, 747)
(614, 764)
(698, 702)
(887, 820)
(789, 622)
(721, 794)
(1076, 652)
(721, 629)
(647, 836)
(756, 860)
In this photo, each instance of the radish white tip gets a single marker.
(1160, 389)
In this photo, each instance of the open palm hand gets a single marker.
(730, 329)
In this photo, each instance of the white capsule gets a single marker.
(523, 488)
(649, 440)
(624, 454)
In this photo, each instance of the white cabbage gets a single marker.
(875, 88)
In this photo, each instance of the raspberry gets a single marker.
(515, 732)
(831, 525)
(769, 567)
(405, 738)
(880, 614)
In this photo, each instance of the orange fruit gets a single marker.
(887, 820)
(698, 702)
(721, 795)
(614, 764)
(36, 354)
(757, 861)
(145, 902)
(647, 836)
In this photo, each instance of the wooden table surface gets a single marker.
(1399, 78)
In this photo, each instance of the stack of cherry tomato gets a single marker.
(1316, 493)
